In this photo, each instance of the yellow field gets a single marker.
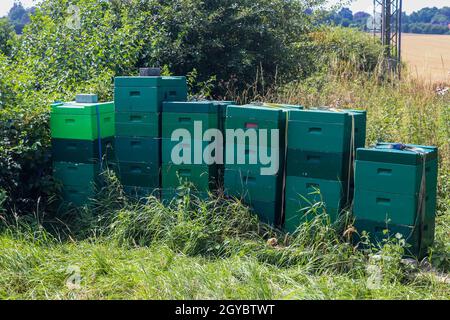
(427, 56)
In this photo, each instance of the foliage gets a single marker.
(19, 16)
(6, 36)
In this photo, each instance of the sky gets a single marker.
(358, 5)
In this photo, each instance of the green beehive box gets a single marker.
(319, 130)
(174, 121)
(419, 241)
(78, 196)
(76, 174)
(80, 120)
(202, 177)
(251, 186)
(170, 195)
(138, 149)
(296, 215)
(268, 212)
(396, 171)
(139, 193)
(82, 151)
(394, 207)
(138, 174)
(247, 157)
(138, 124)
(255, 118)
(146, 94)
(304, 193)
(319, 165)
(191, 148)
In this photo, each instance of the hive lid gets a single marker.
(190, 107)
(388, 153)
(152, 82)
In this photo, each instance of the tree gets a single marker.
(19, 16)
(6, 36)
(346, 13)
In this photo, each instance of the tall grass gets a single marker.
(119, 248)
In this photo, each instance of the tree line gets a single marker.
(425, 21)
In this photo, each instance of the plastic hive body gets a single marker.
(389, 193)
(321, 146)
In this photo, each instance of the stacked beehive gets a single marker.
(138, 129)
(319, 162)
(395, 190)
(243, 176)
(82, 138)
(194, 164)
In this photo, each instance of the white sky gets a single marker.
(357, 5)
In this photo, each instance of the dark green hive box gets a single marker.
(247, 154)
(172, 195)
(251, 186)
(189, 147)
(79, 120)
(395, 171)
(175, 121)
(396, 208)
(138, 124)
(296, 214)
(77, 196)
(268, 212)
(419, 242)
(250, 117)
(146, 94)
(304, 193)
(320, 165)
(82, 151)
(202, 177)
(319, 130)
(138, 149)
(139, 193)
(138, 174)
(76, 174)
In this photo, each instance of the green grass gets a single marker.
(218, 250)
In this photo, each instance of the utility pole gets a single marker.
(388, 15)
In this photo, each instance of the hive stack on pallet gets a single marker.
(261, 191)
(138, 129)
(319, 162)
(389, 193)
(188, 160)
(82, 138)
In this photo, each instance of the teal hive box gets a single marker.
(388, 183)
(320, 165)
(138, 149)
(146, 94)
(138, 124)
(76, 174)
(184, 115)
(194, 151)
(418, 239)
(140, 193)
(82, 151)
(202, 177)
(138, 174)
(320, 131)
